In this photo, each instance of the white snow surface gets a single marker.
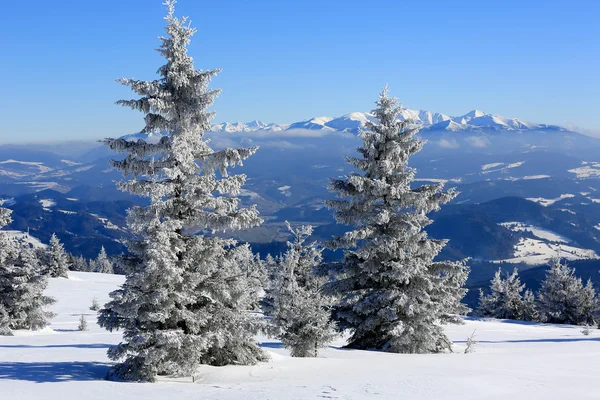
(549, 202)
(511, 361)
(47, 203)
(540, 252)
(7, 202)
(536, 231)
(24, 236)
(588, 170)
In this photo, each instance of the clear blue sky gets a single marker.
(285, 61)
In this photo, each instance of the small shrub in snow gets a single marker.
(95, 305)
(586, 330)
(83, 326)
(471, 342)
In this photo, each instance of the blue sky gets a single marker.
(284, 61)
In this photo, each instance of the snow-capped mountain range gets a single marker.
(472, 121)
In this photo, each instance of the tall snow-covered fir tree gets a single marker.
(563, 299)
(56, 259)
(394, 296)
(22, 285)
(505, 300)
(102, 264)
(186, 297)
(302, 311)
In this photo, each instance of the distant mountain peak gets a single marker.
(474, 114)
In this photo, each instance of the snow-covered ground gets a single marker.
(511, 361)
(546, 245)
(25, 237)
(536, 231)
(549, 202)
(539, 252)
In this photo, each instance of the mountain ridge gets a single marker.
(474, 120)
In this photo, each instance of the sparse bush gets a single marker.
(95, 305)
(83, 326)
(471, 342)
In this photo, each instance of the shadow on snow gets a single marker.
(45, 372)
(57, 346)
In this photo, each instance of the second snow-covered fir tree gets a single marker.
(56, 259)
(563, 299)
(301, 310)
(394, 296)
(22, 284)
(505, 300)
(102, 264)
(186, 297)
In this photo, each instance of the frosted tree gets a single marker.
(186, 297)
(394, 296)
(56, 259)
(530, 310)
(22, 285)
(302, 312)
(102, 264)
(505, 300)
(4, 322)
(563, 299)
(79, 264)
(271, 267)
(83, 325)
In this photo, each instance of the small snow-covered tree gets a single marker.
(22, 284)
(505, 300)
(83, 325)
(394, 296)
(56, 259)
(95, 305)
(102, 264)
(271, 267)
(4, 322)
(79, 264)
(302, 312)
(186, 297)
(563, 299)
(530, 309)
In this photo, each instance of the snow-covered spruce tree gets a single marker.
(22, 285)
(4, 322)
(271, 267)
(505, 300)
(530, 309)
(185, 298)
(79, 264)
(394, 296)
(302, 312)
(56, 259)
(102, 264)
(563, 299)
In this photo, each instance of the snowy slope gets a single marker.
(512, 361)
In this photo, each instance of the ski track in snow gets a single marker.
(511, 361)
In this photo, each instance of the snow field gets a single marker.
(512, 360)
